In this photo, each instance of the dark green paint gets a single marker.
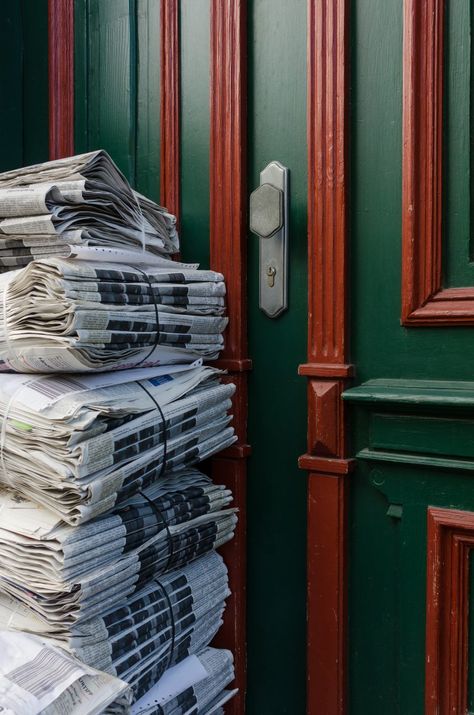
(277, 396)
(426, 435)
(459, 271)
(117, 92)
(388, 555)
(24, 83)
(470, 684)
(195, 59)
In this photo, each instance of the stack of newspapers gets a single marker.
(108, 532)
(72, 315)
(60, 207)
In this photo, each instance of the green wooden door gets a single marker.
(409, 646)
(117, 107)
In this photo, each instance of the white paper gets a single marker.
(176, 679)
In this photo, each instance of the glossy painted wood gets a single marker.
(425, 393)
(450, 542)
(228, 242)
(61, 78)
(195, 46)
(328, 350)
(170, 106)
(276, 505)
(24, 81)
(424, 301)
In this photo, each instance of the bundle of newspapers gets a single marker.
(66, 315)
(107, 531)
(196, 685)
(81, 444)
(66, 574)
(140, 637)
(38, 678)
(60, 207)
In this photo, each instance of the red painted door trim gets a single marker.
(449, 543)
(328, 365)
(61, 77)
(424, 300)
(228, 242)
(170, 106)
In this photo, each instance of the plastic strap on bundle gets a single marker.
(159, 513)
(173, 624)
(165, 437)
(157, 317)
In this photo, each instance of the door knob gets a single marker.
(269, 220)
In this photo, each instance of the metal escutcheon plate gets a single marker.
(274, 250)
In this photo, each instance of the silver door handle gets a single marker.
(269, 220)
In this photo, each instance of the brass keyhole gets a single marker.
(271, 271)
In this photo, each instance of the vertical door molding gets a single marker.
(228, 239)
(424, 300)
(170, 106)
(450, 541)
(327, 367)
(61, 77)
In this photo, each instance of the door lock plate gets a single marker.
(269, 220)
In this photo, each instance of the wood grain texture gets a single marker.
(327, 524)
(450, 540)
(228, 239)
(327, 367)
(424, 301)
(170, 107)
(61, 77)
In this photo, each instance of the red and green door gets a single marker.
(363, 607)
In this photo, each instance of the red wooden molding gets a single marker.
(228, 240)
(324, 465)
(61, 77)
(318, 369)
(327, 545)
(169, 106)
(450, 540)
(327, 367)
(424, 301)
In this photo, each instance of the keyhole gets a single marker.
(271, 270)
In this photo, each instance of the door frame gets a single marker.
(328, 367)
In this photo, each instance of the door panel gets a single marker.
(24, 82)
(195, 88)
(277, 396)
(412, 439)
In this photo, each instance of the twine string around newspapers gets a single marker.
(157, 318)
(159, 513)
(172, 621)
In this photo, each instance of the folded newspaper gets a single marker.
(65, 315)
(196, 685)
(66, 574)
(38, 678)
(57, 207)
(80, 444)
(140, 637)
